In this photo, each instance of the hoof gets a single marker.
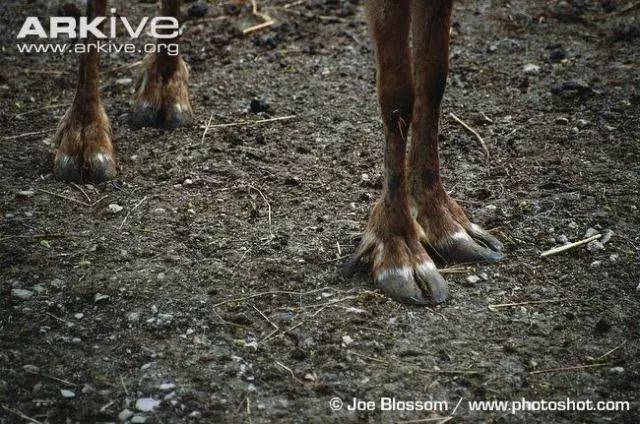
(101, 168)
(460, 247)
(66, 169)
(146, 115)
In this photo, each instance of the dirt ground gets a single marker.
(214, 291)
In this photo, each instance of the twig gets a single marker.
(206, 129)
(251, 296)
(268, 207)
(18, 115)
(259, 121)
(82, 191)
(382, 361)
(27, 134)
(628, 8)
(62, 196)
(569, 246)
(125, 67)
(124, 386)
(290, 372)
(68, 383)
(266, 18)
(132, 209)
(472, 131)
(21, 415)
(575, 367)
(601, 357)
(265, 317)
(531, 302)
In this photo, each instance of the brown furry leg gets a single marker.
(446, 227)
(83, 137)
(162, 99)
(401, 267)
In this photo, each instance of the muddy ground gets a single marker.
(214, 290)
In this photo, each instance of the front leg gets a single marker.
(85, 151)
(401, 267)
(162, 98)
(446, 227)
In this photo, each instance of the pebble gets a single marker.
(595, 246)
(595, 264)
(125, 414)
(347, 340)
(138, 419)
(31, 368)
(21, 294)
(133, 316)
(582, 123)
(159, 211)
(590, 232)
(473, 279)
(26, 193)
(531, 68)
(147, 404)
(188, 182)
(124, 81)
(100, 298)
(39, 288)
(617, 370)
(79, 315)
(562, 239)
(167, 386)
(67, 394)
(114, 208)
(638, 287)
(606, 236)
(614, 258)
(562, 121)
(257, 106)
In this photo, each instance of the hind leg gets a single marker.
(401, 267)
(162, 99)
(446, 226)
(85, 151)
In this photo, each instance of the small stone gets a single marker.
(557, 55)
(531, 68)
(154, 309)
(159, 211)
(602, 326)
(595, 246)
(31, 368)
(161, 276)
(188, 182)
(26, 193)
(195, 414)
(139, 419)
(347, 340)
(590, 232)
(473, 279)
(133, 316)
(617, 370)
(614, 258)
(67, 394)
(573, 225)
(257, 106)
(638, 287)
(147, 404)
(562, 239)
(79, 315)
(22, 294)
(167, 386)
(125, 414)
(595, 264)
(101, 298)
(114, 208)
(39, 288)
(561, 121)
(606, 236)
(124, 81)
(87, 388)
(582, 123)
(484, 276)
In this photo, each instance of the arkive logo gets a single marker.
(161, 27)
